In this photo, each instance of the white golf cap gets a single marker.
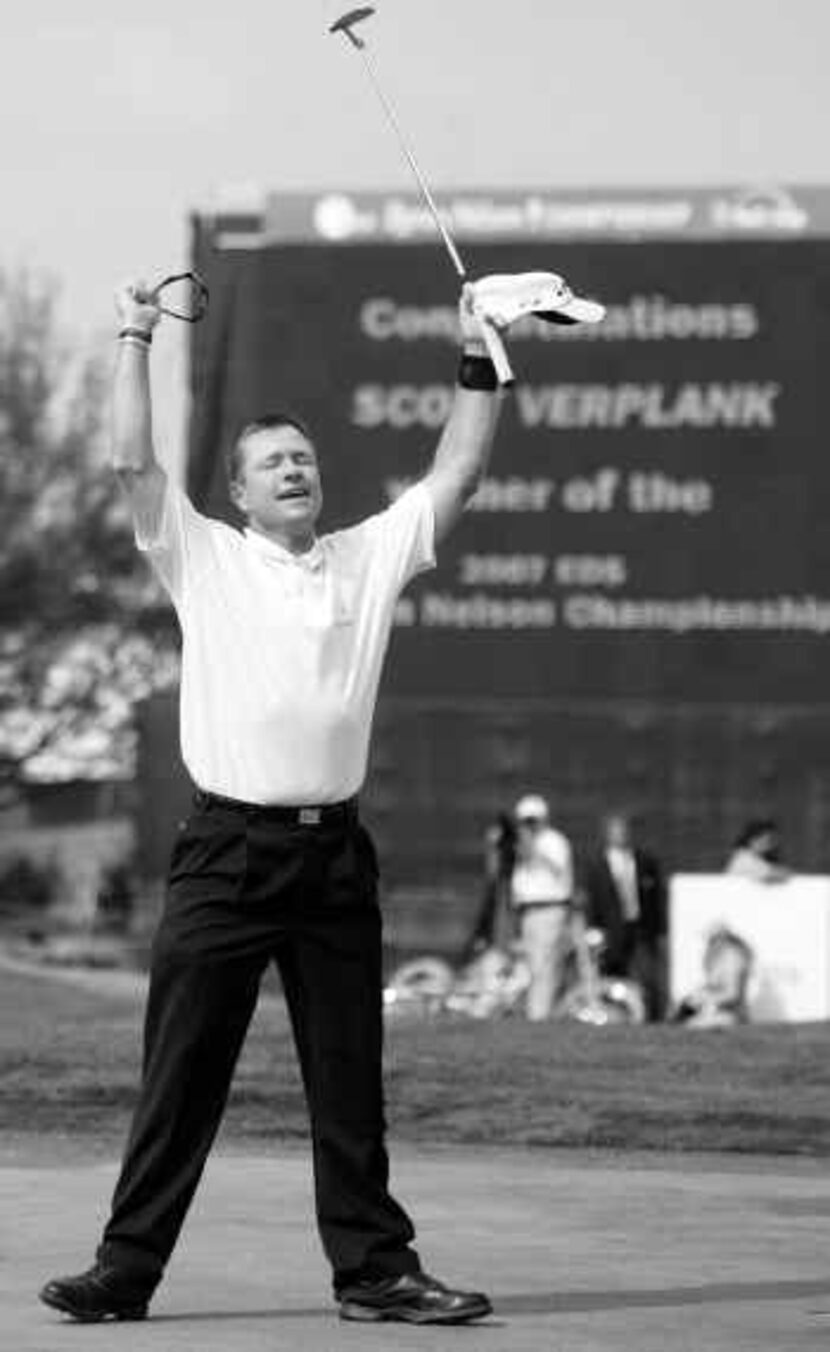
(506, 297)
(532, 807)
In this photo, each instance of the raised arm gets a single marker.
(133, 457)
(464, 449)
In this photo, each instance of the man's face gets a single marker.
(617, 833)
(529, 826)
(278, 485)
(766, 845)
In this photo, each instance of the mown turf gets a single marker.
(69, 1062)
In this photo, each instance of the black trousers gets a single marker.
(640, 958)
(247, 887)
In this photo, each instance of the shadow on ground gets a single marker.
(559, 1302)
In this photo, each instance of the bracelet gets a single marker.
(143, 335)
(477, 373)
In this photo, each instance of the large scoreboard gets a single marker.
(651, 534)
(654, 520)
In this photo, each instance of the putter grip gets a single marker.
(497, 352)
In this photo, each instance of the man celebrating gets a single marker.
(284, 635)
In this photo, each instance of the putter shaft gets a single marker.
(345, 25)
(449, 242)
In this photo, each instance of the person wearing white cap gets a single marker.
(542, 893)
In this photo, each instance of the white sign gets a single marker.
(786, 925)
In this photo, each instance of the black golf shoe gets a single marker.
(102, 1292)
(413, 1298)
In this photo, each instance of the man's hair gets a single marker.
(269, 422)
(755, 827)
(617, 814)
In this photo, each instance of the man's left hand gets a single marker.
(472, 334)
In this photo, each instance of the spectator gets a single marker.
(626, 899)
(542, 890)
(115, 898)
(495, 924)
(757, 853)
(721, 999)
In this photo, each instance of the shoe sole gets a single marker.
(129, 1313)
(368, 1314)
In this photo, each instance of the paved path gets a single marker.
(645, 1254)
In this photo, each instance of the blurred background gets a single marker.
(634, 614)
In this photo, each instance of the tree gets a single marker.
(84, 629)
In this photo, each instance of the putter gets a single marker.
(346, 25)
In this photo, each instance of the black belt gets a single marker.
(321, 814)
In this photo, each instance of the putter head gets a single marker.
(347, 22)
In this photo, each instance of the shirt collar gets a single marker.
(312, 559)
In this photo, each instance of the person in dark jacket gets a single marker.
(625, 898)
(494, 925)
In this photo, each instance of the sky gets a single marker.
(119, 121)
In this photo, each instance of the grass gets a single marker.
(69, 1065)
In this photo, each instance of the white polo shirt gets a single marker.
(282, 654)
(545, 873)
(623, 867)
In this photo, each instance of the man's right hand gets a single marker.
(137, 306)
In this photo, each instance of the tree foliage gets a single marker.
(84, 628)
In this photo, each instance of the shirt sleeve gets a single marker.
(403, 536)
(180, 546)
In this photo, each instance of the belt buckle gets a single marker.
(310, 816)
